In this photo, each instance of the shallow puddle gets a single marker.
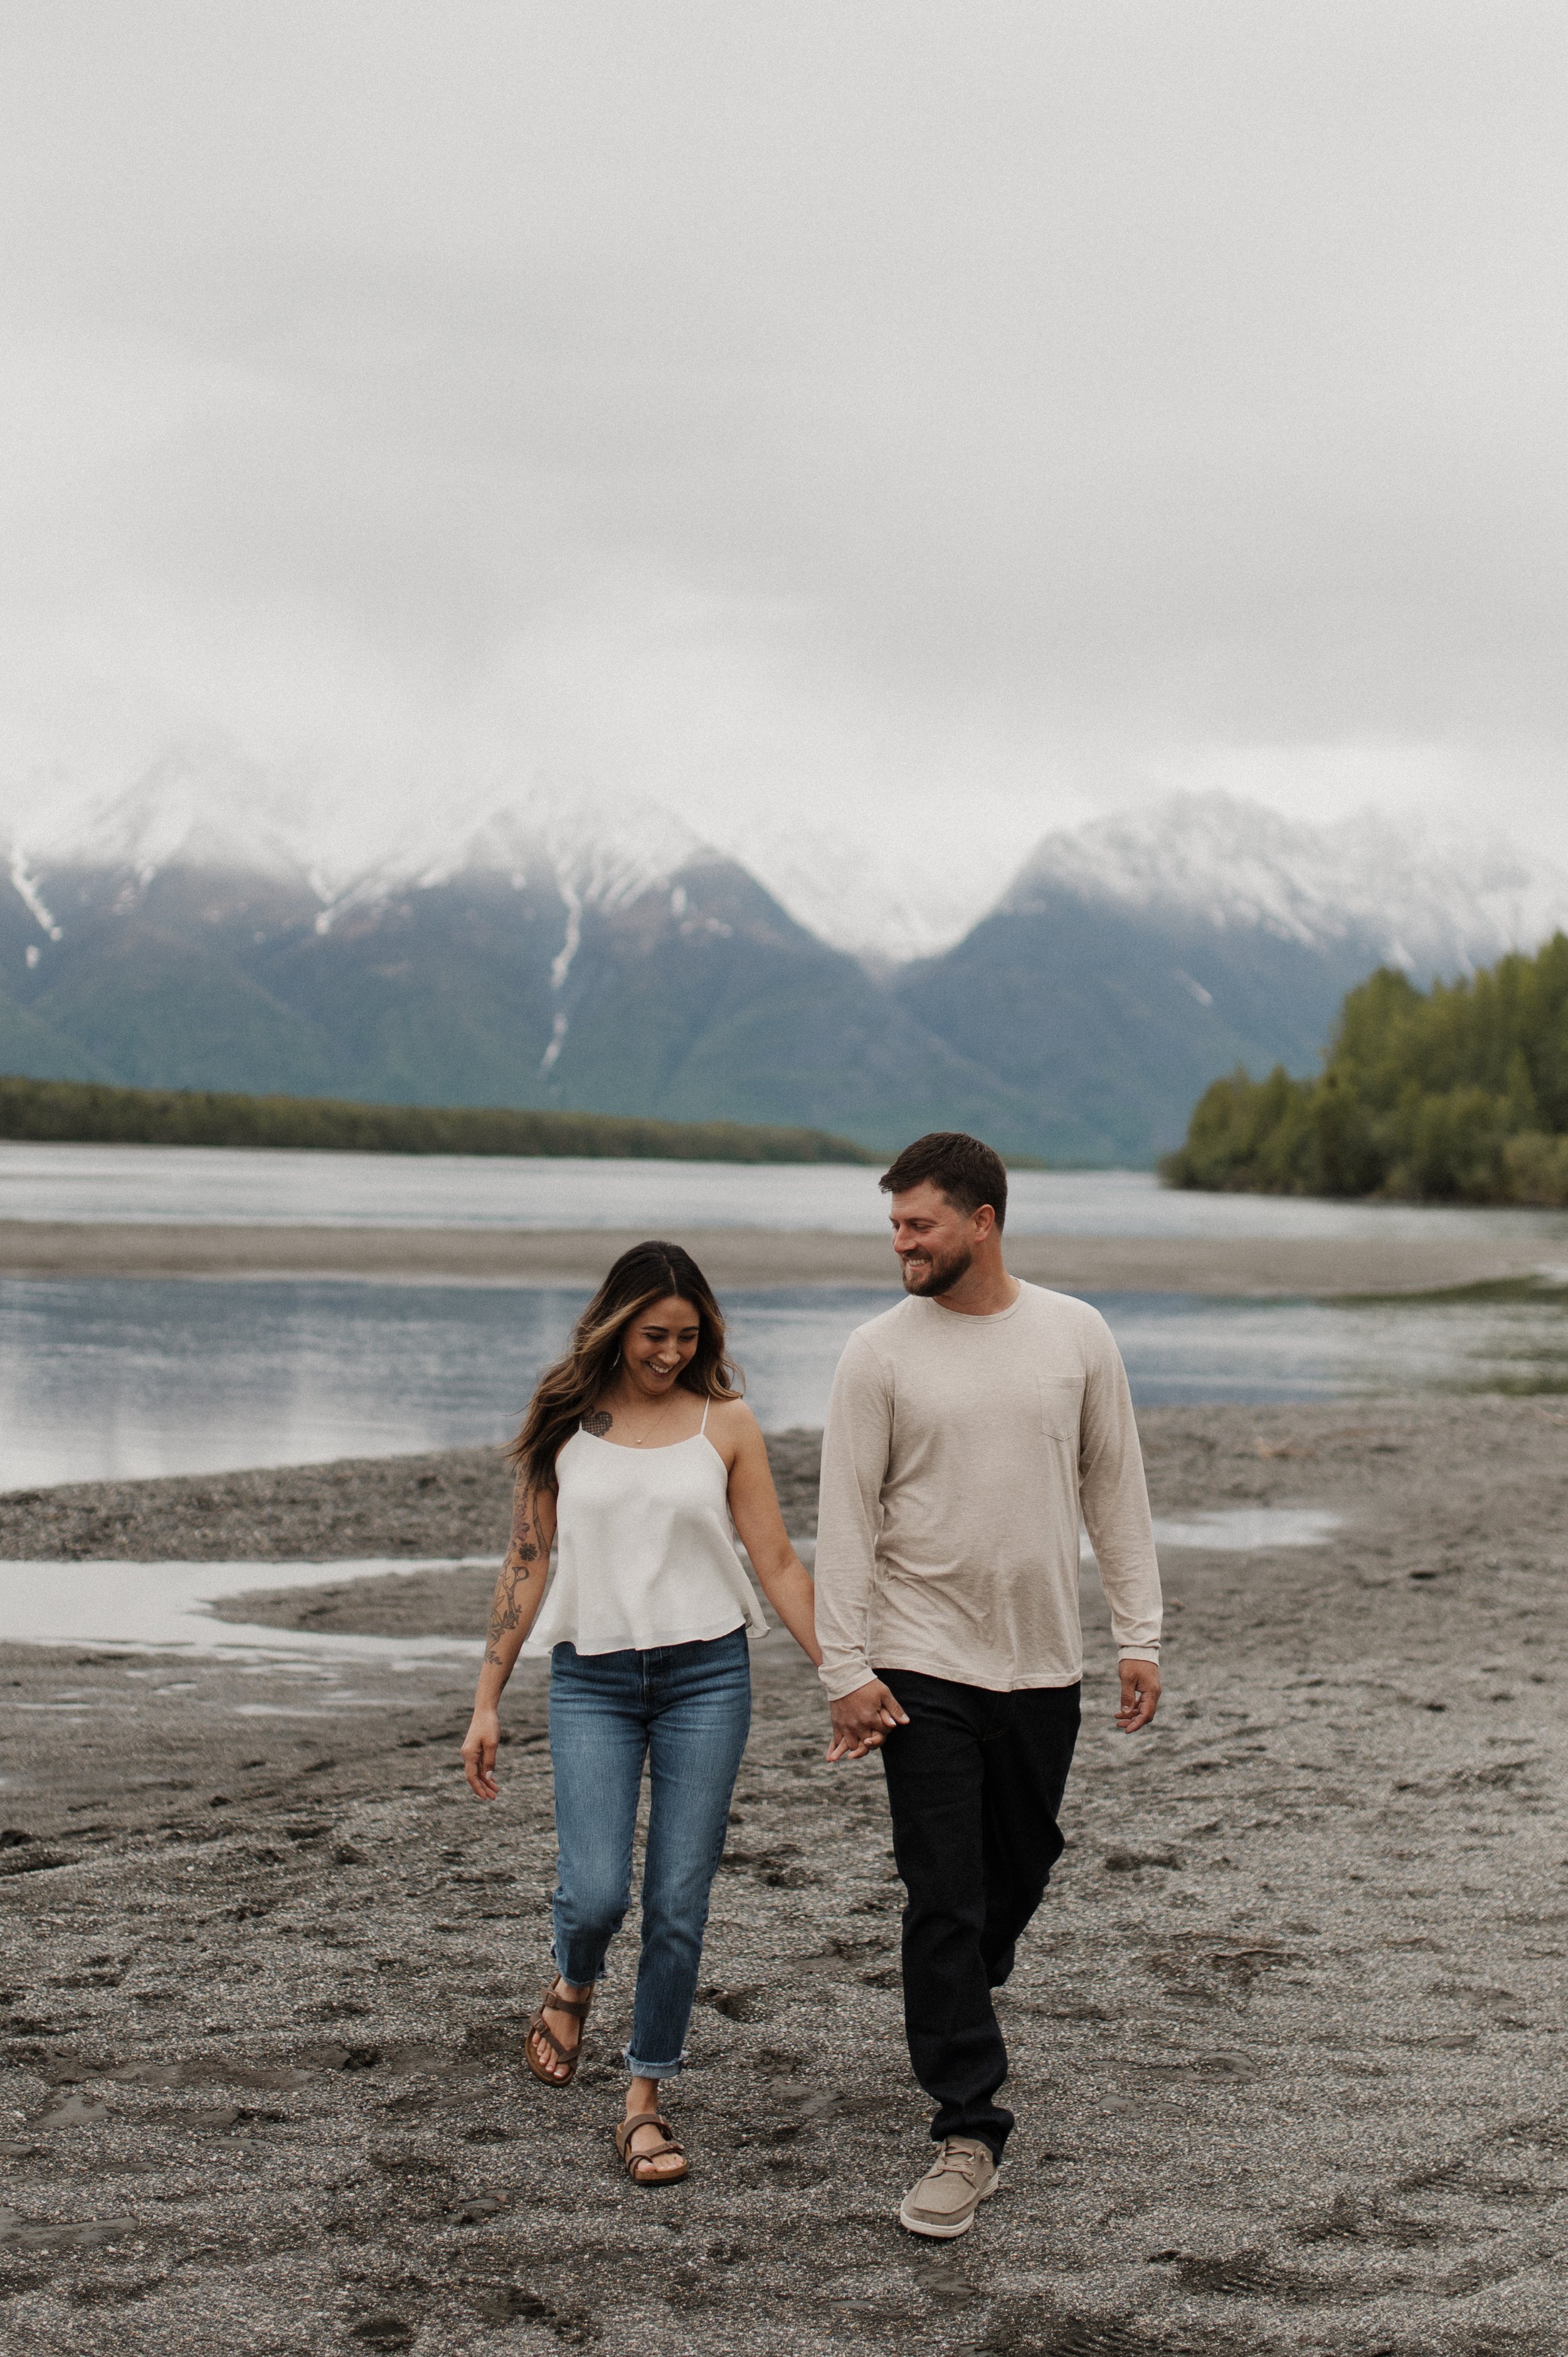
(1250, 1530)
(1242, 1530)
(165, 1607)
(162, 1607)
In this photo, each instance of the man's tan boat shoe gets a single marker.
(944, 2201)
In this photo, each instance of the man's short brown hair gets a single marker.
(968, 1171)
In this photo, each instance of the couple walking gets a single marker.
(968, 1429)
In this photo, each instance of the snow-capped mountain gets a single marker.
(202, 807)
(885, 902)
(1134, 959)
(597, 852)
(541, 948)
(546, 944)
(1420, 900)
(1236, 867)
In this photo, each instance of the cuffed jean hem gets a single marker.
(638, 2069)
(635, 2067)
(590, 1979)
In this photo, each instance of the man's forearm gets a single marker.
(844, 1617)
(854, 1466)
(842, 1632)
(1115, 1505)
(1137, 1612)
(1114, 1497)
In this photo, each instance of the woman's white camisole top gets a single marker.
(646, 1551)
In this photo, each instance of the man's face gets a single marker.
(933, 1239)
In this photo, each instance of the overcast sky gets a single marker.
(938, 422)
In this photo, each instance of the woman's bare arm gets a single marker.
(754, 1508)
(520, 1591)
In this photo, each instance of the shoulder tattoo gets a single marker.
(598, 1423)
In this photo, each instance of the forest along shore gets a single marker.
(1261, 1265)
(1286, 2035)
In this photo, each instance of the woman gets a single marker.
(637, 1454)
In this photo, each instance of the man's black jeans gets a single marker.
(974, 1782)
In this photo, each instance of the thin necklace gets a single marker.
(662, 1406)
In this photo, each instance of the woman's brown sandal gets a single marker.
(539, 2028)
(634, 2160)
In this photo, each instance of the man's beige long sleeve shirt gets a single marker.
(959, 1455)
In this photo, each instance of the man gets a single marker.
(967, 1428)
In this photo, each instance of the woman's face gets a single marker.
(660, 1341)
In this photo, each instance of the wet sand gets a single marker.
(1287, 2033)
(1397, 1263)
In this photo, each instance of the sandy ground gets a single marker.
(454, 1501)
(1287, 2034)
(1394, 1263)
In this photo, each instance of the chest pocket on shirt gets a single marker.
(1061, 1406)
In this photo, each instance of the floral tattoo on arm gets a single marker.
(525, 1549)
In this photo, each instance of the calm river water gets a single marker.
(119, 1377)
(183, 1182)
(107, 1377)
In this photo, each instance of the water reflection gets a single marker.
(201, 1183)
(114, 1378)
(103, 1379)
(161, 1606)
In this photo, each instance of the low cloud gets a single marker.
(929, 425)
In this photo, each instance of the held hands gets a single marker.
(862, 1719)
(479, 1747)
(1140, 1694)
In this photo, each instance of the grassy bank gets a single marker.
(82, 1112)
(1454, 1095)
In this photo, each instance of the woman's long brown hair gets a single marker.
(569, 1389)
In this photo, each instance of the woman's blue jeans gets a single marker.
(687, 1710)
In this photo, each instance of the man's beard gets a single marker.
(931, 1276)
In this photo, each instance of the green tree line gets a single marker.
(86, 1112)
(1458, 1093)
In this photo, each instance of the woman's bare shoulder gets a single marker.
(730, 1411)
(732, 1418)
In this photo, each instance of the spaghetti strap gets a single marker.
(647, 1553)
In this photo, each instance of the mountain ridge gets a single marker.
(545, 947)
(546, 961)
(1237, 864)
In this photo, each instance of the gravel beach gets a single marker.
(454, 1501)
(1287, 2034)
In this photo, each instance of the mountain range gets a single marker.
(554, 949)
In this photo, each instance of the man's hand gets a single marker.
(1140, 1694)
(861, 1720)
